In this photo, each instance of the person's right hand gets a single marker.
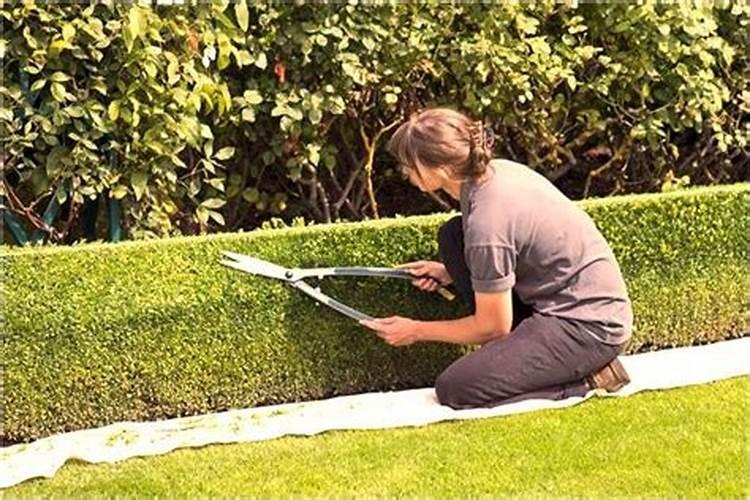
(429, 275)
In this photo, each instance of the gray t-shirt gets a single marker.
(521, 232)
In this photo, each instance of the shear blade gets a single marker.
(254, 265)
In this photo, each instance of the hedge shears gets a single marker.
(295, 278)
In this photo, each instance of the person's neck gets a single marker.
(453, 188)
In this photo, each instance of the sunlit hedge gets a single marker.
(140, 330)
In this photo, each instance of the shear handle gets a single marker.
(385, 272)
(332, 303)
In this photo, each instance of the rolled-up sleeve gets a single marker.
(492, 267)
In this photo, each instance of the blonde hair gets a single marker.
(442, 137)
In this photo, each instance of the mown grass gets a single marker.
(688, 441)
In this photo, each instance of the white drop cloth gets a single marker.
(648, 371)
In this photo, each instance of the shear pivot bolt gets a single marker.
(289, 274)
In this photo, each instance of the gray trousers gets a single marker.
(543, 357)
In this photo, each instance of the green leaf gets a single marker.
(248, 115)
(150, 69)
(54, 161)
(68, 32)
(201, 213)
(173, 69)
(75, 111)
(295, 113)
(138, 180)
(128, 38)
(243, 18)
(224, 153)
(176, 161)
(350, 70)
(32, 69)
(97, 120)
(119, 192)
(223, 60)
(30, 40)
(337, 105)
(261, 61)
(315, 116)
(56, 47)
(39, 181)
(225, 50)
(206, 131)
(313, 153)
(58, 92)
(251, 195)
(217, 183)
(136, 22)
(329, 160)
(6, 114)
(243, 57)
(571, 81)
(252, 97)
(369, 44)
(526, 25)
(99, 87)
(213, 203)
(61, 194)
(39, 84)
(217, 217)
(113, 111)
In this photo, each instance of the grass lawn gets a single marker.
(689, 441)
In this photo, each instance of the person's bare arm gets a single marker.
(492, 319)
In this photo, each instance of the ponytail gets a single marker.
(441, 137)
(481, 142)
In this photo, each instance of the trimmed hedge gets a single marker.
(99, 333)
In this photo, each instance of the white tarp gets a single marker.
(648, 371)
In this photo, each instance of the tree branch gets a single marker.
(28, 213)
(370, 147)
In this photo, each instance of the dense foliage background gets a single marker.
(185, 119)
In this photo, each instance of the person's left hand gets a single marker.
(396, 331)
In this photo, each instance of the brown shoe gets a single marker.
(611, 378)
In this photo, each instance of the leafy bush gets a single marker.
(221, 115)
(99, 333)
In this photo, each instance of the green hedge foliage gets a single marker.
(217, 115)
(99, 333)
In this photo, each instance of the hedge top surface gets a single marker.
(632, 199)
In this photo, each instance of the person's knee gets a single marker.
(446, 390)
(452, 389)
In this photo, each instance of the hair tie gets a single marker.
(488, 137)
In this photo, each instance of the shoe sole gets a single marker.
(611, 378)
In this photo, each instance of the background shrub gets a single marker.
(219, 116)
